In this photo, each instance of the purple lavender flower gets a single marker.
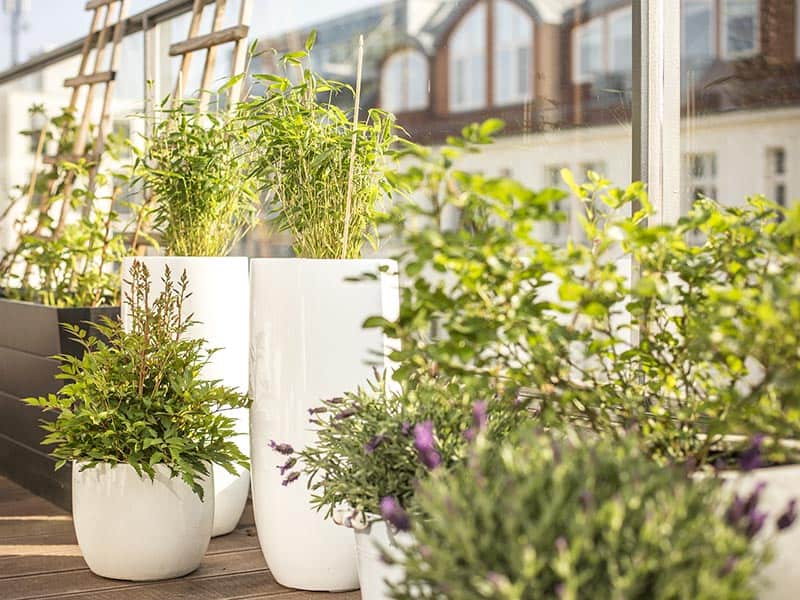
(561, 544)
(281, 448)
(756, 522)
(480, 416)
(729, 565)
(373, 443)
(345, 414)
(752, 501)
(394, 513)
(426, 445)
(751, 458)
(586, 499)
(788, 517)
(405, 428)
(290, 478)
(317, 410)
(735, 511)
(291, 462)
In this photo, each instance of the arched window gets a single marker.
(513, 53)
(404, 81)
(467, 61)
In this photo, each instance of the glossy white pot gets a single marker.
(130, 527)
(373, 573)
(306, 344)
(780, 580)
(219, 302)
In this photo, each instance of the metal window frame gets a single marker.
(656, 123)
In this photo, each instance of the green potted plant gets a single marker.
(53, 273)
(375, 445)
(324, 171)
(551, 517)
(693, 357)
(142, 428)
(202, 201)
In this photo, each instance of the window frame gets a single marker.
(404, 54)
(611, 18)
(713, 21)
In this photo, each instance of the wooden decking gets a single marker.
(39, 558)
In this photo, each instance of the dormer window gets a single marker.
(620, 55)
(740, 28)
(513, 53)
(404, 81)
(467, 61)
(698, 35)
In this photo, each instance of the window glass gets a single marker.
(588, 48)
(404, 81)
(741, 27)
(513, 39)
(698, 40)
(621, 53)
(467, 58)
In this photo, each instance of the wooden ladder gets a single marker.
(108, 20)
(210, 42)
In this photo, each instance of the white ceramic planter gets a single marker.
(219, 302)
(307, 344)
(129, 527)
(781, 578)
(373, 573)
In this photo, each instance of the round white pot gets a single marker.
(376, 539)
(306, 344)
(130, 527)
(780, 580)
(219, 303)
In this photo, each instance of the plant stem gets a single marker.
(348, 207)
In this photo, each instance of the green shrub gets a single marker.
(699, 346)
(572, 519)
(195, 165)
(139, 397)
(304, 153)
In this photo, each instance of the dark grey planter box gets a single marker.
(30, 334)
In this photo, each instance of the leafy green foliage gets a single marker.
(365, 448)
(72, 265)
(195, 165)
(139, 397)
(303, 144)
(702, 344)
(572, 519)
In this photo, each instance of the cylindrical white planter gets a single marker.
(219, 288)
(307, 343)
(373, 573)
(780, 580)
(130, 527)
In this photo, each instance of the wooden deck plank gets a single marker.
(40, 559)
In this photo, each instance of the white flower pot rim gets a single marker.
(321, 260)
(183, 257)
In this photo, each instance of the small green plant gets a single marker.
(375, 444)
(538, 517)
(139, 397)
(312, 157)
(204, 198)
(62, 261)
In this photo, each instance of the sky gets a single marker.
(51, 23)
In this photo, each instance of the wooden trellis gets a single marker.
(108, 20)
(210, 42)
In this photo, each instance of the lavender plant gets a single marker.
(375, 444)
(572, 518)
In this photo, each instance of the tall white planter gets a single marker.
(780, 580)
(129, 527)
(219, 303)
(307, 344)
